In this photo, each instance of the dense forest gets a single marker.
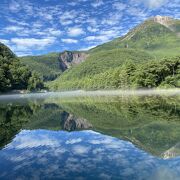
(145, 121)
(146, 57)
(14, 75)
(164, 73)
(46, 65)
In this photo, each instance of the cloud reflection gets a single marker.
(80, 155)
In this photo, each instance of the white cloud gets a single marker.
(25, 46)
(99, 38)
(92, 29)
(72, 3)
(24, 141)
(112, 18)
(79, 149)
(95, 38)
(66, 22)
(119, 6)
(53, 32)
(75, 31)
(97, 3)
(21, 54)
(92, 21)
(4, 41)
(155, 3)
(104, 36)
(31, 42)
(13, 28)
(73, 141)
(14, 6)
(69, 41)
(67, 17)
(87, 48)
(151, 3)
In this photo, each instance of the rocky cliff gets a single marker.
(172, 152)
(69, 58)
(164, 20)
(71, 123)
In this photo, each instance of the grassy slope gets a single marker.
(46, 65)
(155, 41)
(150, 36)
(104, 60)
(100, 62)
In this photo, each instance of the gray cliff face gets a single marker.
(68, 58)
(72, 123)
(172, 152)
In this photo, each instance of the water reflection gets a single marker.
(150, 122)
(72, 123)
(143, 137)
(85, 154)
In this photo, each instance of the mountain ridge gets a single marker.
(149, 35)
(130, 61)
(154, 39)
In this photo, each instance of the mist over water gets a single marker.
(116, 134)
(82, 93)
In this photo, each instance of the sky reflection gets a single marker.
(41, 154)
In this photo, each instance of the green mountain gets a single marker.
(6, 52)
(14, 75)
(51, 65)
(159, 36)
(46, 65)
(145, 121)
(133, 60)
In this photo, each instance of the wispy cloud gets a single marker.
(119, 6)
(69, 41)
(5, 41)
(75, 31)
(155, 3)
(32, 42)
(97, 3)
(14, 6)
(151, 4)
(13, 28)
(76, 24)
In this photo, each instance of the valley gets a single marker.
(146, 57)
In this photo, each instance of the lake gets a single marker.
(95, 135)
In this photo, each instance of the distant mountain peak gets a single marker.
(164, 20)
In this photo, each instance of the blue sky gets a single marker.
(31, 27)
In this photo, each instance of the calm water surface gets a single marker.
(99, 137)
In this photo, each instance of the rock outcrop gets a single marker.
(72, 123)
(165, 20)
(172, 152)
(69, 58)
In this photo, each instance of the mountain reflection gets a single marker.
(71, 123)
(85, 154)
(152, 123)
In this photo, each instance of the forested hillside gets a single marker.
(14, 75)
(52, 65)
(146, 57)
(46, 65)
(143, 58)
(164, 73)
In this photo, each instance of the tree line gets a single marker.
(164, 73)
(14, 75)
